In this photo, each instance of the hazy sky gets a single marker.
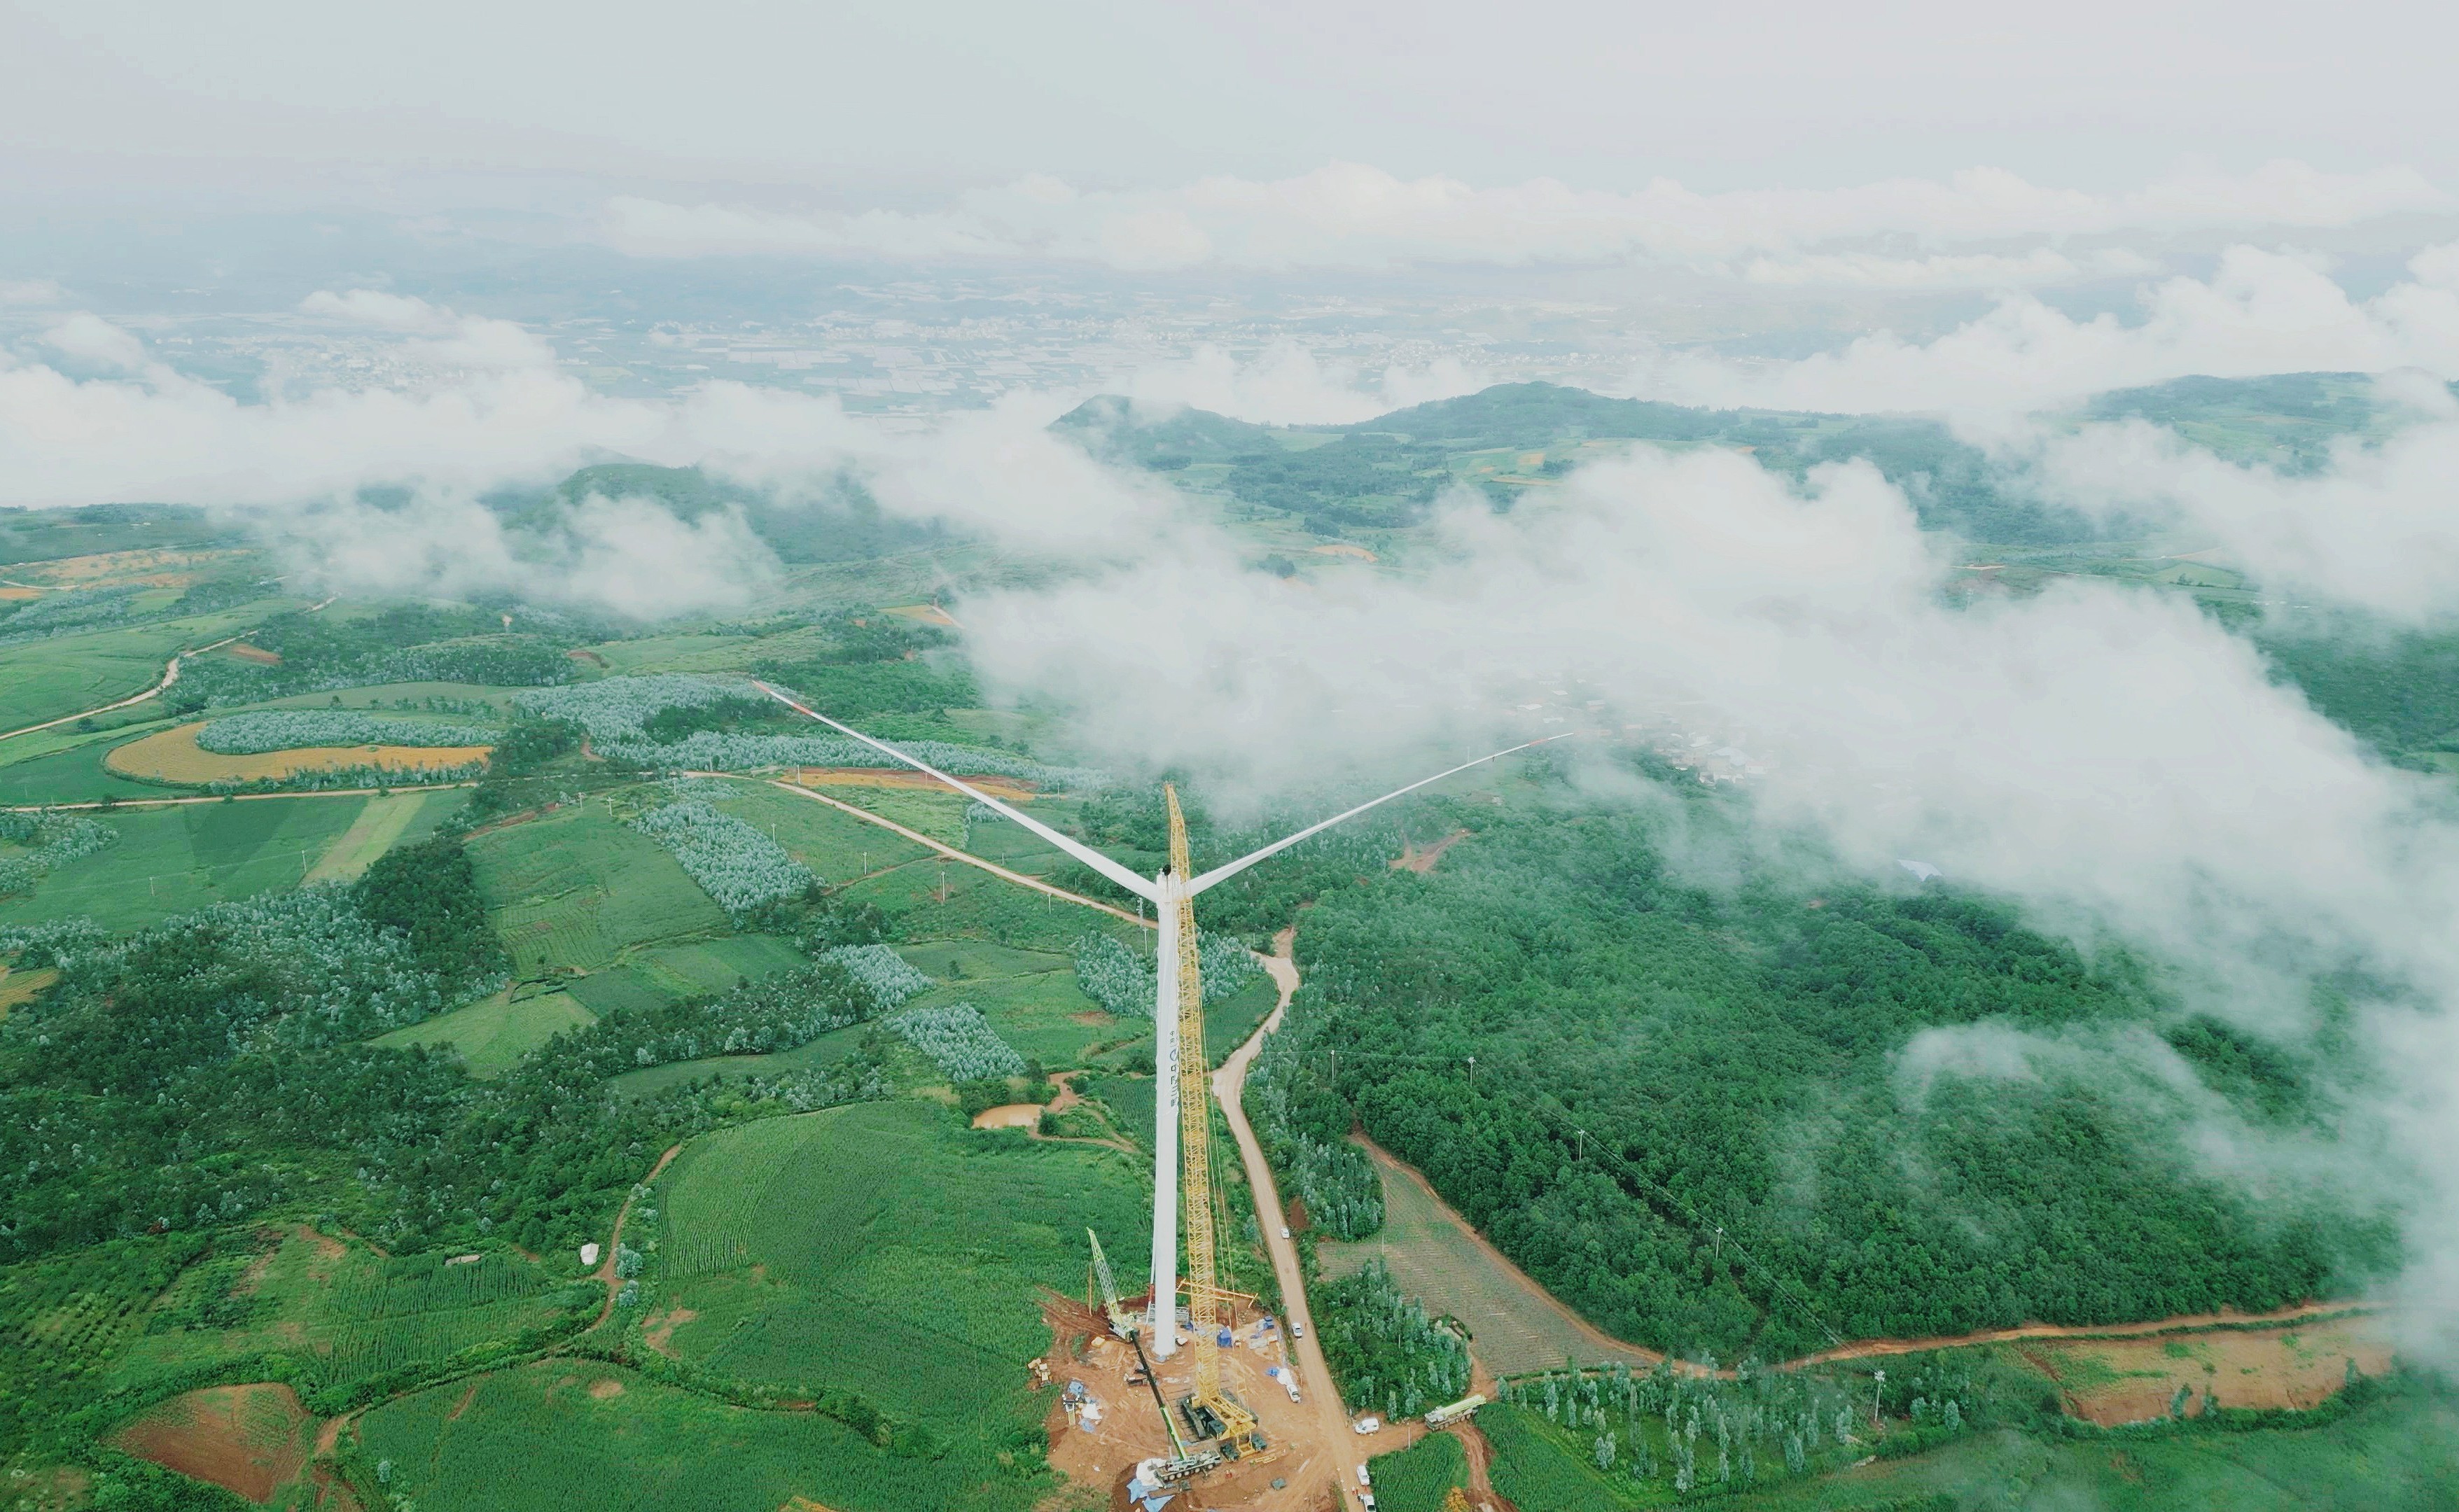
(929, 95)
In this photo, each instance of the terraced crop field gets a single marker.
(837, 846)
(67, 674)
(339, 1310)
(1030, 997)
(834, 1045)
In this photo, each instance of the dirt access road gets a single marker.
(170, 675)
(1437, 1254)
(1346, 1450)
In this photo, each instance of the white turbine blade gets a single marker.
(1142, 887)
(1222, 873)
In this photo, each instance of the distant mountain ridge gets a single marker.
(1383, 473)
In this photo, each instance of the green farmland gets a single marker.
(571, 1433)
(172, 859)
(68, 674)
(885, 1250)
(576, 888)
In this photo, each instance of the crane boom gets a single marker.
(1123, 1324)
(1238, 1425)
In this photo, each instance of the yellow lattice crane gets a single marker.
(1211, 1409)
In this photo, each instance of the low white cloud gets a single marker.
(2376, 529)
(1352, 215)
(92, 341)
(2261, 312)
(2113, 757)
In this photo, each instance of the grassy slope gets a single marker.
(344, 1310)
(496, 1030)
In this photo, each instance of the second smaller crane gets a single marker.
(1181, 1463)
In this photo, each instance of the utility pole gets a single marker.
(1472, 1072)
(1879, 1385)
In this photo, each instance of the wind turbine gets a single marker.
(1181, 1116)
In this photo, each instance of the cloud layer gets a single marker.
(2261, 312)
(1353, 216)
(2111, 757)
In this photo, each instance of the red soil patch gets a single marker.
(590, 657)
(327, 1248)
(249, 1440)
(463, 1405)
(256, 654)
(2123, 1380)
(605, 1389)
(1091, 1017)
(1010, 1114)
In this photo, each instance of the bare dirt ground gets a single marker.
(1335, 1451)
(2122, 1380)
(1422, 862)
(1028, 1115)
(1102, 1453)
(1481, 1466)
(250, 1440)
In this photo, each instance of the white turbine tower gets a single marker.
(1172, 896)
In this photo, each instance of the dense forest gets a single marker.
(1693, 1114)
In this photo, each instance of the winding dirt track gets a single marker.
(170, 675)
(606, 1270)
(1346, 1450)
(1598, 1345)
